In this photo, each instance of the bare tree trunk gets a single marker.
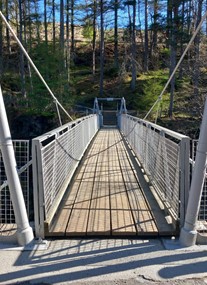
(62, 25)
(140, 24)
(196, 69)
(1, 44)
(94, 37)
(68, 42)
(72, 31)
(7, 30)
(37, 25)
(22, 71)
(146, 43)
(30, 23)
(26, 14)
(169, 22)
(45, 22)
(53, 25)
(206, 18)
(116, 55)
(62, 44)
(155, 28)
(133, 49)
(173, 52)
(101, 49)
(182, 38)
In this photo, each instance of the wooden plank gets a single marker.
(7, 230)
(60, 224)
(99, 219)
(122, 220)
(99, 216)
(78, 222)
(105, 197)
(144, 221)
(163, 223)
(141, 213)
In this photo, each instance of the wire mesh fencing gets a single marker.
(56, 156)
(21, 148)
(164, 156)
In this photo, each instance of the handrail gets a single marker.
(56, 156)
(164, 155)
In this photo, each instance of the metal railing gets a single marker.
(164, 156)
(55, 157)
(21, 148)
(202, 215)
(109, 116)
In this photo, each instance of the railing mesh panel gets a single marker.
(21, 148)
(159, 154)
(61, 155)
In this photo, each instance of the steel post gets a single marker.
(24, 231)
(188, 233)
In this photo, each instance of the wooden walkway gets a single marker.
(105, 197)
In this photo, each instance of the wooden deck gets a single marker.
(107, 197)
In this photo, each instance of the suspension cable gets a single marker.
(178, 64)
(58, 112)
(33, 65)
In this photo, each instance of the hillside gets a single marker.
(36, 113)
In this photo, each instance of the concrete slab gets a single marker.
(37, 244)
(174, 244)
(104, 261)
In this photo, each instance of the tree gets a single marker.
(54, 23)
(116, 54)
(133, 48)
(101, 47)
(131, 38)
(68, 40)
(182, 37)
(196, 68)
(72, 28)
(45, 22)
(146, 42)
(7, 30)
(155, 26)
(140, 22)
(22, 71)
(94, 37)
(1, 44)
(62, 26)
(37, 20)
(173, 49)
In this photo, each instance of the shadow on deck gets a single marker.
(109, 195)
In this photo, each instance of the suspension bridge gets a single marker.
(105, 174)
(107, 195)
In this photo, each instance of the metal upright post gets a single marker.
(188, 233)
(24, 231)
(184, 177)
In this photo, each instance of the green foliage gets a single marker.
(111, 71)
(88, 30)
(151, 85)
(165, 52)
(48, 61)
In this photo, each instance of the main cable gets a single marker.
(33, 65)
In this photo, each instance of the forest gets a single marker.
(103, 48)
